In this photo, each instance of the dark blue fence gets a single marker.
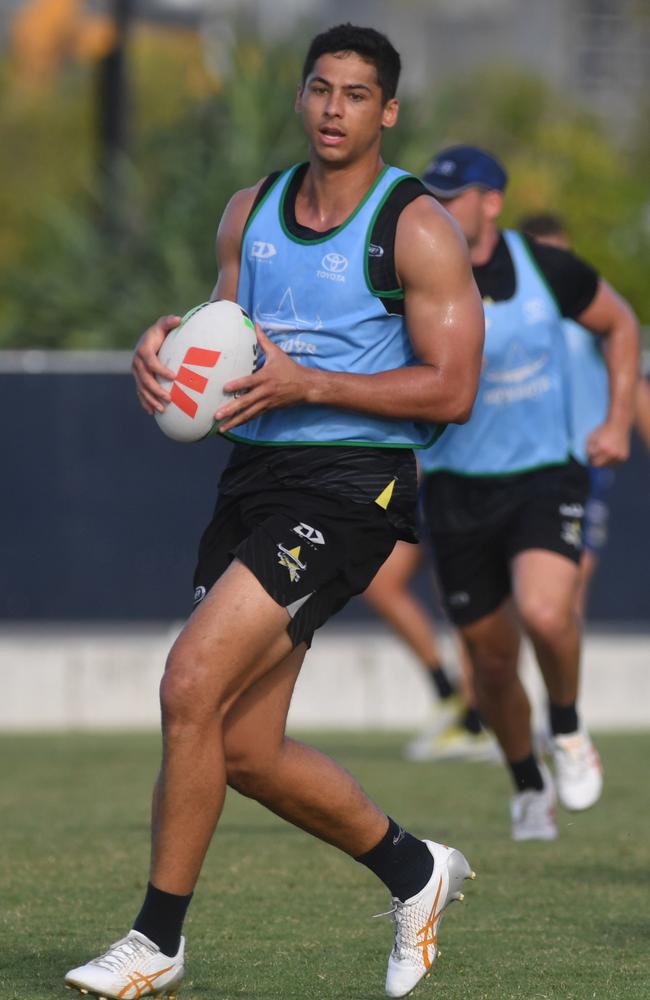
(101, 514)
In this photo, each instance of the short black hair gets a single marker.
(543, 224)
(370, 45)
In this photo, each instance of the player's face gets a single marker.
(472, 210)
(343, 109)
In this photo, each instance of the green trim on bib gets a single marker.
(395, 293)
(333, 232)
(231, 436)
(272, 187)
(523, 243)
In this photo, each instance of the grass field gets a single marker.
(279, 916)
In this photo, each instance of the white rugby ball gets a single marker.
(213, 344)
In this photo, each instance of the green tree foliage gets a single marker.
(560, 159)
(68, 280)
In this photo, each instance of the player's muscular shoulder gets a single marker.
(233, 220)
(429, 245)
(229, 241)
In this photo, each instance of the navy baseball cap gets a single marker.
(458, 168)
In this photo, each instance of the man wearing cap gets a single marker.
(503, 495)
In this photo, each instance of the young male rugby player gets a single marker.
(354, 262)
(505, 494)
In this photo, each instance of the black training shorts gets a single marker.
(478, 524)
(310, 552)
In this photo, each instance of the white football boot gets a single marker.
(447, 713)
(533, 812)
(457, 743)
(132, 968)
(578, 773)
(417, 919)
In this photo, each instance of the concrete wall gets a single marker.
(88, 677)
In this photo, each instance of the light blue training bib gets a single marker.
(520, 419)
(313, 298)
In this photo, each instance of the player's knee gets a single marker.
(183, 695)
(494, 669)
(178, 702)
(545, 620)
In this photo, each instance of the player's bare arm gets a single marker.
(146, 364)
(229, 240)
(610, 316)
(444, 317)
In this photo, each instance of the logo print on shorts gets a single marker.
(199, 594)
(312, 535)
(459, 599)
(572, 533)
(290, 559)
(571, 509)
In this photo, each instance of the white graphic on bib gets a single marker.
(285, 317)
(262, 250)
(332, 267)
(519, 378)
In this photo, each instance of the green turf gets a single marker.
(279, 916)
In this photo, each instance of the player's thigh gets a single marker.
(396, 572)
(545, 584)
(235, 635)
(545, 544)
(254, 727)
(493, 643)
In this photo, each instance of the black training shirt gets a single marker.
(572, 281)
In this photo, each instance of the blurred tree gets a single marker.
(201, 136)
(47, 32)
(559, 159)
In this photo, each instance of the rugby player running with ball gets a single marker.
(357, 263)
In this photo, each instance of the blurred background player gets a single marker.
(456, 729)
(503, 496)
(588, 399)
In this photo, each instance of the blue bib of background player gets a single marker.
(314, 299)
(520, 417)
(588, 383)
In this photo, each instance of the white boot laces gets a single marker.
(397, 912)
(122, 953)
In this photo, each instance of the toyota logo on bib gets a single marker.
(334, 262)
(332, 266)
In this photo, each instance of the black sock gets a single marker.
(526, 774)
(161, 918)
(401, 861)
(564, 718)
(438, 677)
(471, 721)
